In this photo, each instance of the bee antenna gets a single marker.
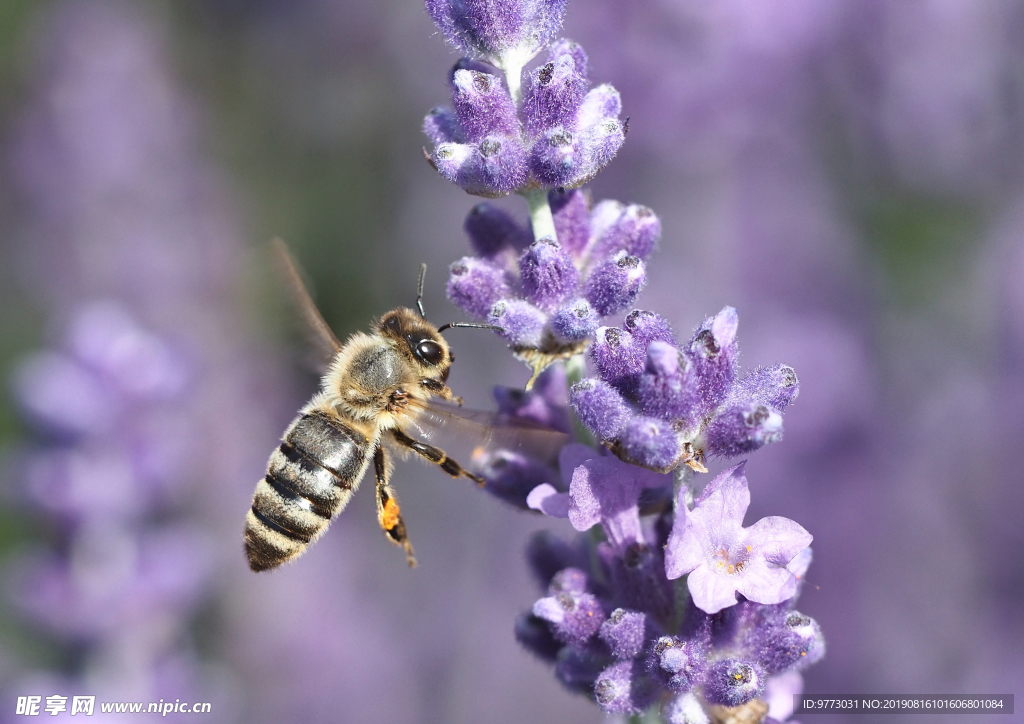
(465, 325)
(419, 290)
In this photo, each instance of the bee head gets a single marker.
(417, 338)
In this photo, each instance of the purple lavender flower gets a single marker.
(684, 709)
(611, 620)
(504, 138)
(677, 404)
(722, 557)
(733, 682)
(679, 664)
(498, 32)
(550, 297)
(624, 688)
(724, 653)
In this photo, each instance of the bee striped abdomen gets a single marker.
(309, 480)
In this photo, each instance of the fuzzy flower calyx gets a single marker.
(659, 404)
(550, 297)
(501, 32)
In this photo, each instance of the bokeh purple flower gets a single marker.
(134, 253)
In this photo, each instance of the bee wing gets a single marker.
(324, 341)
(466, 435)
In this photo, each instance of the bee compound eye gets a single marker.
(429, 351)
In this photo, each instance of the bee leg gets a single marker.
(437, 456)
(440, 389)
(388, 514)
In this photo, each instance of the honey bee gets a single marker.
(378, 388)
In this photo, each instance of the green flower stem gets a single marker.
(541, 218)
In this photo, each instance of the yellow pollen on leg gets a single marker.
(390, 515)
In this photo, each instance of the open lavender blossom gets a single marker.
(552, 131)
(722, 557)
(660, 405)
(614, 621)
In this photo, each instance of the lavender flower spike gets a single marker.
(722, 557)
(500, 32)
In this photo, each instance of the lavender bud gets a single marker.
(576, 320)
(615, 283)
(494, 167)
(483, 105)
(564, 46)
(578, 669)
(475, 285)
(552, 95)
(601, 132)
(546, 404)
(599, 144)
(651, 442)
(684, 709)
(441, 126)
(668, 388)
(535, 635)
(677, 663)
(637, 572)
(623, 688)
(647, 326)
(741, 428)
(547, 554)
(492, 230)
(776, 386)
(731, 682)
(511, 475)
(625, 633)
(494, 30)
(548, 274)
(619, 360)
(793, 641)
(571, 210)
(601, 103)
(604, 216)
(714, 353)
(568, 580)
(557, 158)
(574, 617)
(470, 64)
(501, 165)
(600, 407)
(521, 322)
(636, 232)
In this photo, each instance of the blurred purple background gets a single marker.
(845, 173)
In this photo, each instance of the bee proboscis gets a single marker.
(378, 387)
